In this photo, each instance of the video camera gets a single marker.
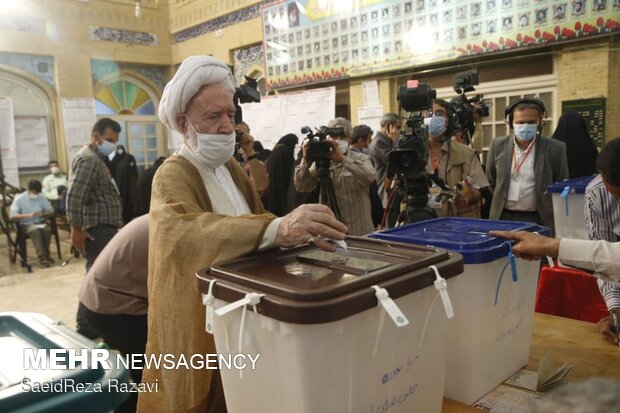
(319, 150)
(407, 162)
(462, 83)
(246, 93)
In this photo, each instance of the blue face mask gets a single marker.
(106, 148)
(436, 126)
(526, 131)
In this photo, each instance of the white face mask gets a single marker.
(106, 148)
(55, 170)
(212, 149)
(343, 145)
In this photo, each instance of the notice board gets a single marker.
(593, 112)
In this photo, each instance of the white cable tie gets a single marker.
(249, 299)
(208, 300)
(442, 286)
(390, 306)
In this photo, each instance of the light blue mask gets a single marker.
(436, 126)
(106, 148)
(526, 131)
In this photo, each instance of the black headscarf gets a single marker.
(280, 168)
(580, 148)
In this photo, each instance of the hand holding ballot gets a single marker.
(312, 223)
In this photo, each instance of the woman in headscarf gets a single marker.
(581, 151)
(280, 170)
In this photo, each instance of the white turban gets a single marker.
(194, 72)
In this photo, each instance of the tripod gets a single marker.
(327, 195)
(413, 207)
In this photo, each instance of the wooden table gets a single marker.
(576, 342)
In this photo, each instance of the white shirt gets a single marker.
(226, 199)
(50, 185)
(603, 257)
(521, 189)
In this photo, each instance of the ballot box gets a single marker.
(29, 342)
(489, 337)
(358, 331)
(568, 207)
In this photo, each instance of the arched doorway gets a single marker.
(33, 128)
(133, 104)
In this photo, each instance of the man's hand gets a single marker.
(78, 239)
(310, 222)
(606, 328)
(530, 246)
(335, 155)
(393, 132)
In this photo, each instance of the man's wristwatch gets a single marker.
(255, 156)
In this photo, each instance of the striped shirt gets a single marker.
(602, 213)
(351, 178)
(93, 198)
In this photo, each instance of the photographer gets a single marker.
(456, 164)
(255, 169)
(351, 173)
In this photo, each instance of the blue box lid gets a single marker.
(576, 185)
(469, 237)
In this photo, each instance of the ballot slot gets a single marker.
(343, 262)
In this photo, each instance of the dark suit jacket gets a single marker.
(550, 165)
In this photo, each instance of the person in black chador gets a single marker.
(280, 170)
(145, 181)
(125, 173)
(581, 150)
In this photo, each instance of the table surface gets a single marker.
(576, 342)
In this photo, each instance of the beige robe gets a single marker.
(185, 237)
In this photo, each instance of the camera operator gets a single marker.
(456, 164)
(351, 173)
(255, 169)
(385, 140)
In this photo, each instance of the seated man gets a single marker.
(29, 209)
(53, 181)
(351, 174)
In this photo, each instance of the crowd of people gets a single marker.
(141, 254)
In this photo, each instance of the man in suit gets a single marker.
(520, 166)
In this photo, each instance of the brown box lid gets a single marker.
(307, 285)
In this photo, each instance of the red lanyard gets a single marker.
(514, 158)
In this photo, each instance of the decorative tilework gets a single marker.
(39, 66)
(123, 36)
(22, 24)
(103, 68)
(235, 17)
(245, 58)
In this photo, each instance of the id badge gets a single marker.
(513, 191)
